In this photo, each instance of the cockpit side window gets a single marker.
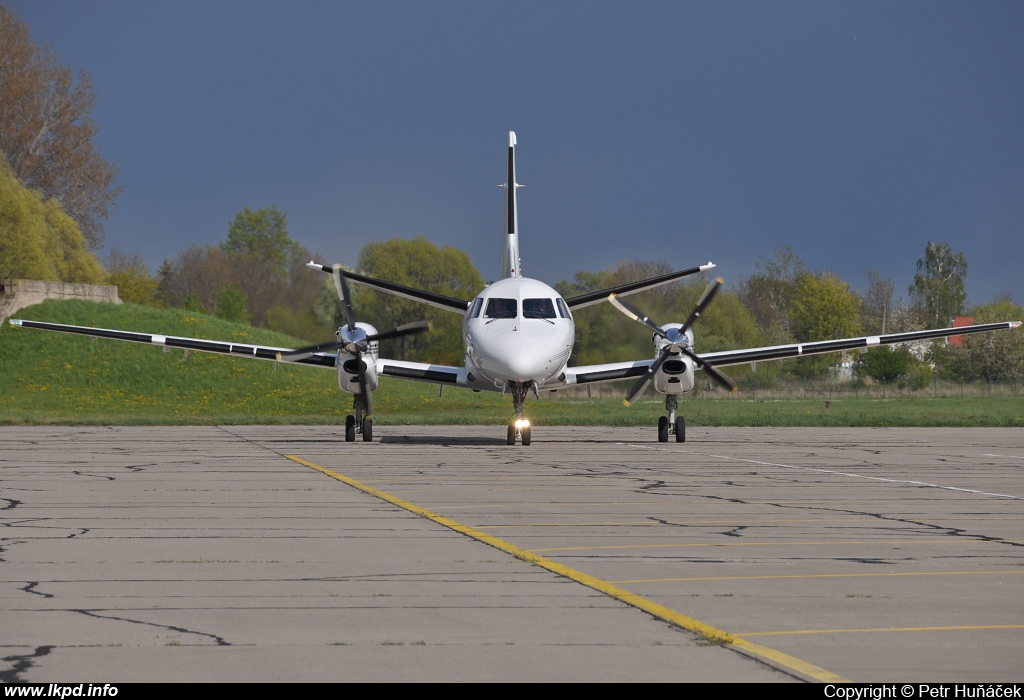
(474, 310)
(538, 308)
(501, 308)
(563, 309)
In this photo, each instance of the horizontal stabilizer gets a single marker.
(622, 290)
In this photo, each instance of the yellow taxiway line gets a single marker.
(709, 633)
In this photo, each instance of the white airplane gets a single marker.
(518, 334)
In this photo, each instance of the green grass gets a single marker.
(56, 378)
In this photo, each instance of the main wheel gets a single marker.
(526, 435)
(680, 429)
(511, 439)
(350, 428)
(663, 429)
(367, 429)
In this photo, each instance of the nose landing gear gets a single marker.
(358, 424)
(519, 429)
(671, 424)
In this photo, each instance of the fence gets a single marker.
(794, 390)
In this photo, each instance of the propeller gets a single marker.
(675, 341)
(355, 345)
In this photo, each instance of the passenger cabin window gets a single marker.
(538, 308)
(501, 308)
(474, 310)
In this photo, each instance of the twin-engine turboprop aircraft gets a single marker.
(518, 334)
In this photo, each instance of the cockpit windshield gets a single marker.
(501, 308)
(538, 308)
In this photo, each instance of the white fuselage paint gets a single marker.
(517, 348)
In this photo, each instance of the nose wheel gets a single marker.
(518, 430)
(358, 424)
(671, 424)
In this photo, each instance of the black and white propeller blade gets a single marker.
(359, 346)
(676, 344)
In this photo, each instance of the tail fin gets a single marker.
(510, 258)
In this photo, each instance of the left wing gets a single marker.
(256, 352)
(779, 352)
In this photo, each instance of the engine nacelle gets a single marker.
(676, 373)
(348, 366)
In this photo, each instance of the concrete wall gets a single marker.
(17, 294)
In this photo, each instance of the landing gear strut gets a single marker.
(671, 424)
(519, 429)
(358, 424)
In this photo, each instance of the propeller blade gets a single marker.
(704, 300)
(407, 329)
(645, 380)
(636, 315)
(342, 286)
(717, 375)
(302, 353)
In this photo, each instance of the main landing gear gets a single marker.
(671, 424)
(519, 429)
(358, 424)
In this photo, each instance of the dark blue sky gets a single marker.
(686, 132)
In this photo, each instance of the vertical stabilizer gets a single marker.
(510, 258)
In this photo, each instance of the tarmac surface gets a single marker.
(439, 553)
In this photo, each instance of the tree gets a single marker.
(823, 308)
(938, 293)
(260, 253)
(421, 264)
(886, 364)
(877, 311)
(197, 273)
(46, 131)
(130, 274)
(769, 293)
(38, 240)
(231, 304)
(997, 356)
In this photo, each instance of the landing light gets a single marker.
(522, 423)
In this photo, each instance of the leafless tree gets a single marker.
(46, 131)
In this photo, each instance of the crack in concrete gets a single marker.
(30, 588)
(220, 640)
(22, 664)
(98, 476)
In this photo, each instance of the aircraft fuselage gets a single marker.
(518, 330)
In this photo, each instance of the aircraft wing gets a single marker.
(441, 301)
(433, 374)
(256, 352)
(610, 372)
(779, 352)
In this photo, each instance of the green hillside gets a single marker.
(50, 377)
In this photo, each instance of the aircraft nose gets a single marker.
(526, 358)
